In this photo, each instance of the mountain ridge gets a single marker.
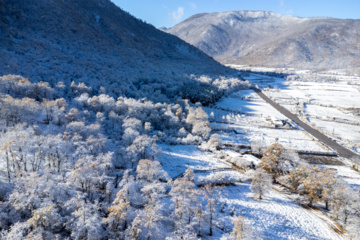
(264, 38)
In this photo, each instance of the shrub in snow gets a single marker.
(219, 178)
(202, 129)
(182, 132)
(240, 162)
(258, 147)
(190, 139)
(221, 154)
(213, 144)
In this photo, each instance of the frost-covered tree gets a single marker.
(148, 223)
(185, 197)
(214, 142)
(132, 123)
(298, 175)
(44, 221)
(90, 173)
(134, 232)
(212, 196)
(199, 218)
(312, 185)
(240, 230)
(329, 181)
(261, 183)
(197, 119)
(150, 171)
(202, 129)
(86, 223)
(118, 217)
(344, 200)
(139, 149)
(276, 159)
(258, 146)
(16, 231)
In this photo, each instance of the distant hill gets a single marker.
(95, 42)
(264, 38)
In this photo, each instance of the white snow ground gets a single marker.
(328, 103)
(249, 117)
(277, 216)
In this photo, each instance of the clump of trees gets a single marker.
(321, 185)
(79, 163)
(318, 185)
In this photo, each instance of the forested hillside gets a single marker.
(97, 43)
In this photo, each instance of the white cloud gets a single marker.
(178, 14)
(282, 3)
(193, 5)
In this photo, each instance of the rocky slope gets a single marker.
(267, 39)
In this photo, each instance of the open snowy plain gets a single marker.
(329, 102)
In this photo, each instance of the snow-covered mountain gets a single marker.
(95, 42)
(264, 38)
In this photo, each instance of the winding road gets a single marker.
(342, 151)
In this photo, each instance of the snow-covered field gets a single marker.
(176, 159)
(251, 120)
(329, 113)
(330, 102)
(342, 130)
(278, 216)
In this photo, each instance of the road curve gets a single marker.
(342, 151)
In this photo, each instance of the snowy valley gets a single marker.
(112, 129)
(97, 167)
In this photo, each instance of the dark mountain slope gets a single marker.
(268, 39)
(95, 42)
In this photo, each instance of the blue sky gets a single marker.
(170, 12)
